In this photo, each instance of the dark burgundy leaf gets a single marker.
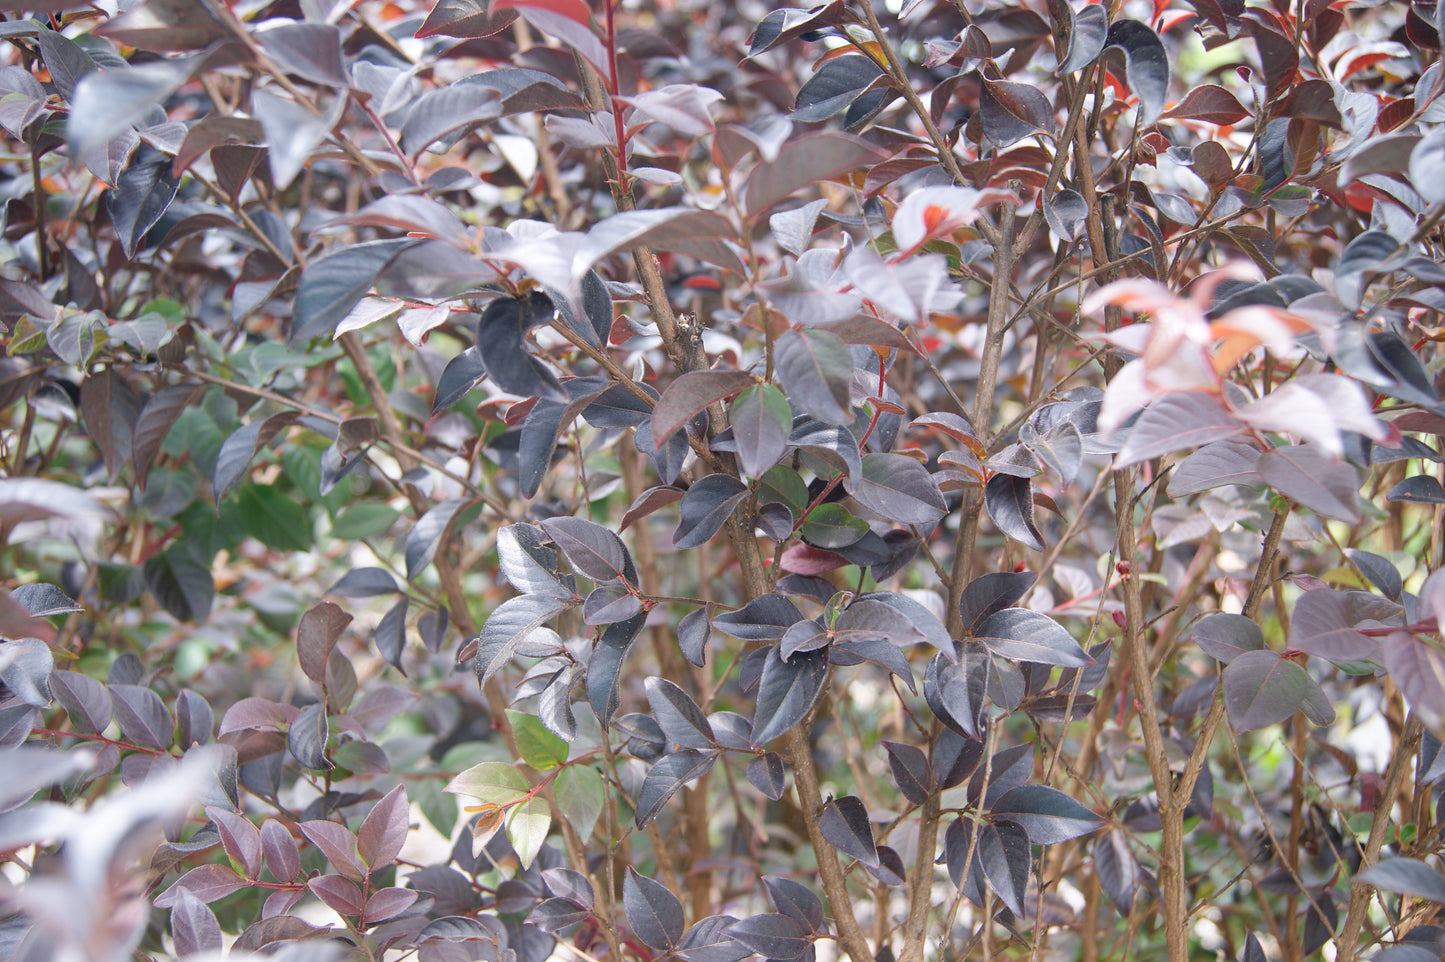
(1310, 476)
(1427, 166)
(1031, 636)
(459, 376)
(390, 637)
(1215, 465)
(777, 937)
(706, 507)
(1175, 422)
(141, 195)
(86, 701)
(504, 352)
(508, 627)
(1118, 869)
(206, 882)
(890, 869)
(364, 583)
(846, 827)
(761, 420)
(440, 113)
(1009, 769)
(241, 446)
(605, 665)
(786, 692)
(677, 715)
(110, 409)
(1278, 54)
(341, 895)
(797, 901)
(1261, 688)
(991, 593)
(65, 60)
(592, 549)
(803, 161)
(1004, 854)
(835, 85)
(25, 668)
(1418, 668)
(43, 600)
(1381, 571)
(538, 443)
(954, 689)
(665, 777)
(816, 368)
(1046, 814)
(911, 771)
(241, 839)
(1323, 624)
(955, 849)
(311, 51)
(1224, 636)
(954, 758)
(691, 394)
(306, 738)
(467, 19)
(1146, 63)
(608, 604)
(921, 620)
(1088, 28)
(1418, 489)
(194, 927)
(1012, 111)
(283, 856)
(649, 501)
(554, 705)
(693, 633)
(142, 716)
(194, 719)
(316, 635)
(834, 445)
(765, 618)
(1210, 103)
(387, 903)
(1404, 876)
(332, 285)
(1010, 503)
(765, 773)
(339, 846)
(384, 830)
(900, 489)
(423, 540)
(708, 941)
(1067, 210)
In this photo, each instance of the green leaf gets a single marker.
(833, 526)
(538, 747)
(783, 486)
(495, 783)
(274, 519)
(363, 521)
(527, 826)
(439, 808)
(580, 794)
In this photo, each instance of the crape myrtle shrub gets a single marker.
(550, 480)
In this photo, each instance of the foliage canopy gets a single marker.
(504, 480)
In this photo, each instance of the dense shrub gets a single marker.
(539, 479)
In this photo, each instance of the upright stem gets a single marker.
(1346, 945)
(972, 509)
(1171, 803)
